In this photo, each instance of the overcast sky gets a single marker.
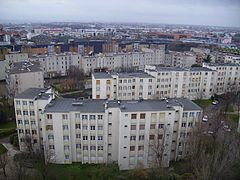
(199, 12)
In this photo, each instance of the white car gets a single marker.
(215, 102)
(205, 118)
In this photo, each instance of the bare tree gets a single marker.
(3, 162)
(213, 153)
(158, 147)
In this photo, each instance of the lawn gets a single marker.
(86, 171)
(203, 103)
(7, 128)
(2, 149)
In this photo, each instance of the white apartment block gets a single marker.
(24, 75)
(227, 77)
(232, 59)
(102, 131)
(123, 86)
(156, 82)
(180, 59)
(58, 64)
(29, 106)
(15, 56)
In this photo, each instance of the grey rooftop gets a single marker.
(24, 67)
(65, 105)
(33, 93)
(106, 75)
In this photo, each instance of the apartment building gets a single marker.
(102, 131)
(227, 77)
(156, 82)
(15, 56)
(23, 75)
(180, 59)
(232, 59)
(58, 64)
(124, 86)
(29, 106)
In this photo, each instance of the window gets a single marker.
(65, 138)
(78, 136)
(66, 147)
(160, 136)
(133, 127)
(65, 127)
(49, 127)
(100, 117)
(151, 137)
(24, 103)
(77, 115)
(34, 131)
(20, 122)
(50, 136)
(142, 126)
(78, 146)
(92, 138)
(100, 138)
(92, 117)
(141, 137)
(191, 114)
(84, 117)
(132, 148)
(160, 126)
(92, 127)
(140, 148)
(152, 126)
(85, 127)
(185, 114)
(78, 126)
(190, 124)
(31, 103)
(20, 131)
(51, 147)
(19, 112)
(132, 138)
(64, 116)
(100, 148)
(25, 113)
(85, 138)
(85, 147)
(32, 113)
(66, 156)
(93, 148)
(133, 116)
(142, 116)
(49, 116)
(18, 102)
(100, 127)
(183, 124)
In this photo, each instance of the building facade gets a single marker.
(23, 75)
(156, 82)
(102, 131)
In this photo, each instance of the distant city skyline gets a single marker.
(199, 12)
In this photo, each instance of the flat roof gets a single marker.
(98, 105)
(32, 93)
(106, 75)
(25, 67)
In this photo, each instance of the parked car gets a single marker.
(205, 118)
(215, 102)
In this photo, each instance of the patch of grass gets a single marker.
(203, 103)
(2, 149)
(83, 171)
(232, 117)
(230, 108)
(7, 128)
